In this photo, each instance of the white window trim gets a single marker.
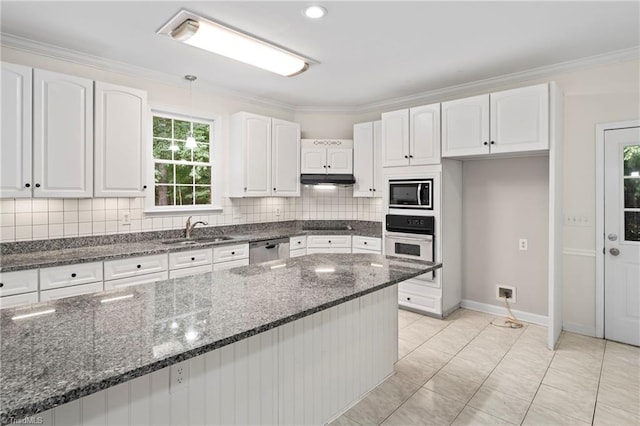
(216, 164)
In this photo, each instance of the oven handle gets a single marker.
(419, 192)
(425, 237)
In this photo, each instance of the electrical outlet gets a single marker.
(277, 211)
(505, 291)
(523, 244)
(125, 218)
(179, 376)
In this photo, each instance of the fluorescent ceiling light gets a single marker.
(116, 298)
(314, 12)
(33, 314)
(199, 32)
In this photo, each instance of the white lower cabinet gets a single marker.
(328, 244)
(18, 282)
(135, 266)
(223, 266)
(429, 299)
(185, 272)
(136, 280)
(230, 252)
(75, 290)
(366, 244)
(70, 275)
(190, 259)
(18, 299)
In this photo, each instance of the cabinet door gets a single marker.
(15, 150)
(395, 138)
(340, 160)
(465, 126)
(62, 135)
(363, 159)
(256, 131)
(314, 161)
(120, 124)
(285, 165)
(520, 119)
(424, 135)
(378, 181)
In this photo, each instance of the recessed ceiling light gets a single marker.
(314, 12)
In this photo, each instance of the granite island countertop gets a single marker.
(49, 253)
(83, 344)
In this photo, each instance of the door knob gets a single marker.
(614, 251)
(612, 237)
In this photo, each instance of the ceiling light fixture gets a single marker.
(191, 141)
(205, 34)
(314, 12)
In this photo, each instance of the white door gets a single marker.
(62, 135)
(363, 159)
(465, 126)
(285, 165)
(395, 138)
(424, 135)
(520, 119)
(377, 159)
(15, 150)
(340, 160)
(622, 235)
(314, 161)
(257, 154)
(120, 124)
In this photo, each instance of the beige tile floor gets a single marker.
(465, 371)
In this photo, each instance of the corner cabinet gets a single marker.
(121, 114)
(411, 137)
(62, 135)
(259, 147)
(367, 164)
(15, 150)
(511, 121)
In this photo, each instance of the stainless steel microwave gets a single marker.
(411, 194)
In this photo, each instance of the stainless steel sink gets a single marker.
(193, 241)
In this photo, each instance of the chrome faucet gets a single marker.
(189, 226)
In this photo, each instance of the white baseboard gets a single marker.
(579, 328)
(499, 310)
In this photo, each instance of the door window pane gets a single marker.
(631, 155)
(632, 193)
(632, 226)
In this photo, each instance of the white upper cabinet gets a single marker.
(62, 135)
(411, 137)
(504, 122)
(323, 156)
(520, 119)
(285, 148)
(15, 149)
(367, 166)
(121, 114)
(260, 148)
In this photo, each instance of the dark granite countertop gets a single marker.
(88, 343)
(48, 253)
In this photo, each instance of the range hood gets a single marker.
(315, 179)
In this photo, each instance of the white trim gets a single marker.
(578, 252)
(461, 90)
(579, 328)
(600, 129)
(499, 310)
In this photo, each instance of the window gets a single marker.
(182, 177)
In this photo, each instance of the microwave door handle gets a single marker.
(419, 194)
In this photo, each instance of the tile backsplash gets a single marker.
(42, 218)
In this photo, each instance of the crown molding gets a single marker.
(461, 90)
(79, 58)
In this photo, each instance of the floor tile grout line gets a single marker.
(595, 404)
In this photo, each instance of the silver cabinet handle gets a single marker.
(614, 251)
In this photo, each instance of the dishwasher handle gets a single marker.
(272, 246)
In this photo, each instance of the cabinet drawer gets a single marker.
(142, 279)
(324, 241)
(419, 284)
(68, 275)
(426, 303)
(223, 266)
(367, 243)
(233, 252)
(188, 259)
(185, 272)
(116, 269)
(18, 282)
(18, 300)
(299, 242)
(360, 250)
(313, 250)
(75, 290)
(297, 252)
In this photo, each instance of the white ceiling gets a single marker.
(367, 52)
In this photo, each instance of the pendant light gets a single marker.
(191, 141)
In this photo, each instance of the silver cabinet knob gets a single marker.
(612, 237)
(614, 251)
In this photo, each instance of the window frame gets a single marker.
(215, 124)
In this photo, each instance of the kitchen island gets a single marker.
(285, 342)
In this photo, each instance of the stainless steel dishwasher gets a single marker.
(266, 250)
